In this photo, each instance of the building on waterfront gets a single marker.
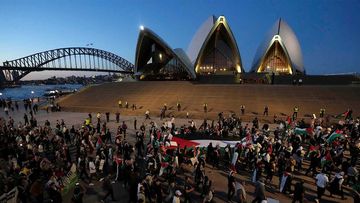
(213, 49)
(279, 53)
(155, 60)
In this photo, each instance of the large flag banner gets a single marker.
(333, 136)
(300, 131)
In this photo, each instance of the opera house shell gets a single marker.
(154, 59)
(279, 53)
(213, 49)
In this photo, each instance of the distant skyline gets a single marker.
(328, 30)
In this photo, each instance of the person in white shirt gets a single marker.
(92, 170)
(176, 198)
(321, 182)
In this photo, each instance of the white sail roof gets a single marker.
(289, 41)
(178, 53)
(199, 38)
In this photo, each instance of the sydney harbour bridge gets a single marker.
(64, 59)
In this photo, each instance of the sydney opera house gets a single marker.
(213, 51)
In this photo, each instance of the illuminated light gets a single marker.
(32, 92)
(0, 94)
(160, 56)
(142, 27)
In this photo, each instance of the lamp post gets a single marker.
(32, 96)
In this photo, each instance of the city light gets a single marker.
(32, 92)
(0, 94)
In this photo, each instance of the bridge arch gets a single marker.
(68, 59)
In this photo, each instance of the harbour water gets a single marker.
(33, 91)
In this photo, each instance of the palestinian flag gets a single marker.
(288, 122)
(326, 159)
(333, 136)
(300, 131)
(342, 114)
(313, 149)
(164, 165)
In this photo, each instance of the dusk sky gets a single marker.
(328, 30)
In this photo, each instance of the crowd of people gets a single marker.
(152, 168)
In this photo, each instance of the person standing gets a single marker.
(188, 188)
(147, 114)
(242, 108)
(107, 116)
(123, 128)
(266, 111)
(16, 105)
(240, 192)
(336, 185)
(231, 186)
(259, 192)
(178, 105)
(26, 119)
(117, 117)
(295, 113)
(135, 123)
(126, 105)
(322, 113)
(177, 196)
(108, 189)
(78, 194)
(98, 116)
(321, 182)
(299, 192)
(205, 107)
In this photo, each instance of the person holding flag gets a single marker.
(295, 113)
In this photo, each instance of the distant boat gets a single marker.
(58, 93)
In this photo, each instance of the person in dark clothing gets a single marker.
(295, 113)
(108, 188)
(178, 105)
(188, 188)
(299, 192)
(266, 111)
(135, 124)
(158, 191)
(90, 117)
(26, 119)
(78, 195)
(117, 117)
(123, 128)
(231, 186)
(259, 192)
(107, 116)
(54, 193)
